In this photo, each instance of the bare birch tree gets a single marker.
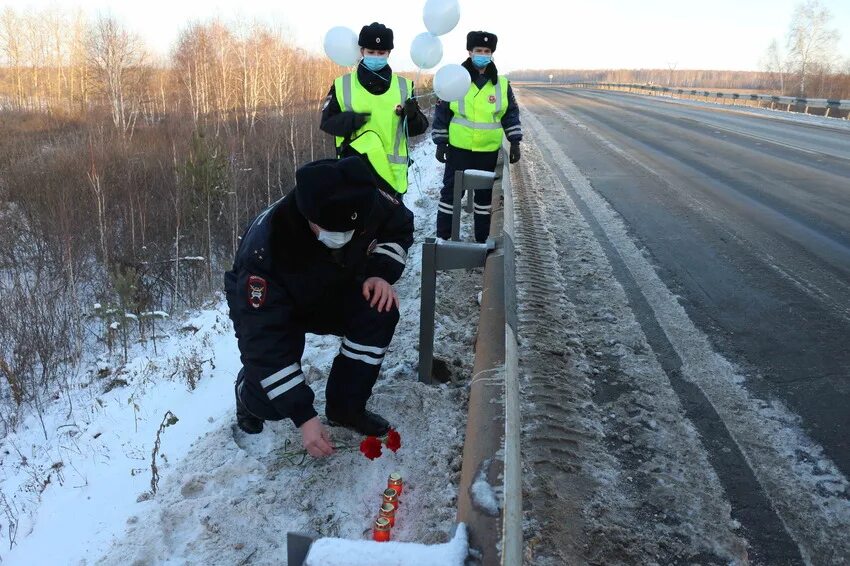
(774, 62)
(812, 43)
(118, 58)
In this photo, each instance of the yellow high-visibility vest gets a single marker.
(477, 121)
(382, 138)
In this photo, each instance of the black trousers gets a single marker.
(460, 160)
(366, 335)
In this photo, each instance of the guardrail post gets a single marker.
(428, 305)
(456, 205)
(441, 256)
(469, 181)
(298, 547)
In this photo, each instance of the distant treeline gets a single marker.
(825, 85)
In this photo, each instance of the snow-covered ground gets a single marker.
(76, 487)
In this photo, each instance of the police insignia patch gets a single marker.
(492, 99)
(257, 291)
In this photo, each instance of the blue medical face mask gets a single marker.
(481, 61)
(374, 62)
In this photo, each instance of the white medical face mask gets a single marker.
(335, 240)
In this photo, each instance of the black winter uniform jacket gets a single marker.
(299, 273)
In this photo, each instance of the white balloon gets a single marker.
(451, 82)
(341, 46)
(426, 50)
(441, 16)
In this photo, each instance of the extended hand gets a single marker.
(380, 294)
(316, 439)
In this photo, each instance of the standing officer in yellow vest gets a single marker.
(469, 132)
(372, 111)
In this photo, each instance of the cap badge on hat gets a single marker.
(486, 39)
(354, 216)
(377, 40)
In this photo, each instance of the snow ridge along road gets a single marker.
(677, 446)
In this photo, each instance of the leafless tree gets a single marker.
(118, 58)
(774, 62)
(12, 49)
(812, 43)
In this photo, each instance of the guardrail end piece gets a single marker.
(298, 547)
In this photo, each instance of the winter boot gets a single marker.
(244, 419)
(366, 423)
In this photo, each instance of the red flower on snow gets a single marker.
(371, 447)
(393, 440)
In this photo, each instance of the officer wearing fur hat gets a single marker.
(372, 111)
(469, 132)
(323, 260)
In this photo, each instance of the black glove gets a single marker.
(354, 120)
(441, 152)
(514, 152)
(411, 108)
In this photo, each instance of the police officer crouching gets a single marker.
(323, 260)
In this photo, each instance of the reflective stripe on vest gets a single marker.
(382, 138)
(477, 121)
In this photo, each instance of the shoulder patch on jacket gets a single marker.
(257, 291)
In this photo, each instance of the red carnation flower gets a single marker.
(371, 447)
(393, 440)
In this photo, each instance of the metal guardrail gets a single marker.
(788, 101)
(492, 444)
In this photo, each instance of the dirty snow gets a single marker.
(77, 488)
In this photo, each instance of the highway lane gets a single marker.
(747, 220)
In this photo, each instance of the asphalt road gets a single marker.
(746, 219)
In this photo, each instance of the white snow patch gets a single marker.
(341, 552)
(483, 494)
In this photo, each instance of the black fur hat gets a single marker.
(376, 36)
(481, 39)
(336, 194)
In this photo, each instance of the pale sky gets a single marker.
(722, 34)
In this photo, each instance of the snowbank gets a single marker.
(340, 552)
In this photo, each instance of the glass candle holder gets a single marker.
(395, 482)
(381, 530)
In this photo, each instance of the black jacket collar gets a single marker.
(490, 71)
(376, 82)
